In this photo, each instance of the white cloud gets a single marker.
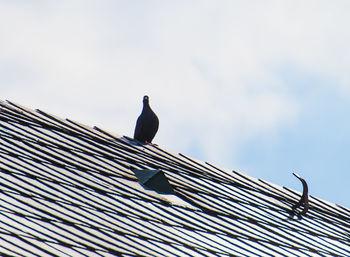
(209, 67)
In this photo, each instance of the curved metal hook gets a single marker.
(304, 200)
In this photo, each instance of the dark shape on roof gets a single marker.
(147, 123)
(304, 200)
(67, 189)
(155, 180)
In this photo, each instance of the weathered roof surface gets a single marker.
(69, 190)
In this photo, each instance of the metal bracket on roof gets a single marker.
(304, 200)
(154, 180)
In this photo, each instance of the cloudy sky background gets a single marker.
(262, 87)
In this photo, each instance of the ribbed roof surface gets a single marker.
(69, 190)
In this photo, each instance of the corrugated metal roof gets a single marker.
(69, 190)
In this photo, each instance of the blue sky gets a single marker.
(258, 87)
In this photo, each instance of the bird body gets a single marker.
(147, 123)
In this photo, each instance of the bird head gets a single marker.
(145, 99)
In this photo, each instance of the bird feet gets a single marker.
(149, 143)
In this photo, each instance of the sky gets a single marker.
(260, 87)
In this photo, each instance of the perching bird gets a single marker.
(147, 123)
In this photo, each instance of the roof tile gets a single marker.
(67, 189)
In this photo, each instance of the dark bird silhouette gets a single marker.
(147, 124)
